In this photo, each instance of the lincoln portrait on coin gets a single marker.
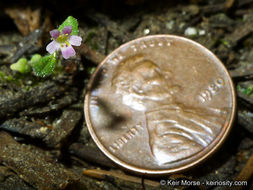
(176, 131)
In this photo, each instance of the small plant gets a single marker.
(246, 91)
(63, 39)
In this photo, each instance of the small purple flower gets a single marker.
(64, 41)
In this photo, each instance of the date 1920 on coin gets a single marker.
(160, 104)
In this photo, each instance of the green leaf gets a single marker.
(248, 91)
(21, 65)
(2, 76)
(70, 21)
(239, 87)
(45, 66)
(5, 77)
(35, 58)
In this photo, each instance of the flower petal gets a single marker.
(75, 40)
(68, 51)
(67, 30)
(52, 47)
(55, 33)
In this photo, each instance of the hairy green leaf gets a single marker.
(70, 21)
(45, 66)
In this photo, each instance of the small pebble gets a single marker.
(43, 129)
(202, 32)
(146, 31)
(190, 31)
(58, 121)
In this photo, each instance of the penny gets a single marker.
(160, 104)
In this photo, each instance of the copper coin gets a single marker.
(160, 104)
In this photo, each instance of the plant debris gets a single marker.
(39, 173)
(27, 20)
(11, 103)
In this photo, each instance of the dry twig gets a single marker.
(91, 54)
(103, 174)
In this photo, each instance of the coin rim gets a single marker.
(215, 145)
